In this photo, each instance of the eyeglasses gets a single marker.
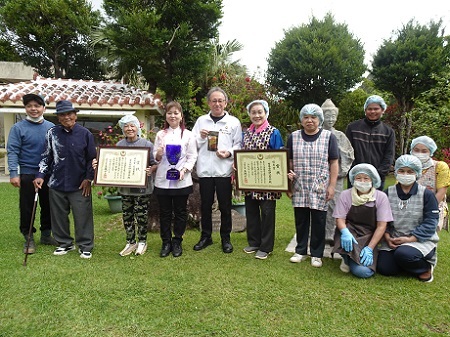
(220, 101)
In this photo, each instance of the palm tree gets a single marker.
(221, 63)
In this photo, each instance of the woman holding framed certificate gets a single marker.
(135, 200)
(260, 206)
(176, 150)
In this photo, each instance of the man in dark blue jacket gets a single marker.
(68, 156)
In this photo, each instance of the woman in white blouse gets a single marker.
(176, 150)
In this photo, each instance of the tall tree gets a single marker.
(431, 113)
(404, 65)
(53, 36)
(7, 52)
(316, 61)
(168, 42)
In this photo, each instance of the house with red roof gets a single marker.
(101, 103)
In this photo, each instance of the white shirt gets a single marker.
(187, 159)
(230, 139)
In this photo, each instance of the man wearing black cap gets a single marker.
(25, 144)
(68, 156)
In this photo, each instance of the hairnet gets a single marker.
(410, 161)
(312, 110)
(130, 119)
(375, 99)
(368, 169)
(425, 140)
(259, 101)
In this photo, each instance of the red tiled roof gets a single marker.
(83, 94)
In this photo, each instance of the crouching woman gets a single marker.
(410, 240)
(362, 213)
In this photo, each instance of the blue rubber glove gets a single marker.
(366, 256)
(347, 240)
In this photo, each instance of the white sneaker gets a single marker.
(296, 258)
(63, 250)
(85, 255)
(316, 262)
(344, 267)
(129, 248)
(141, 248)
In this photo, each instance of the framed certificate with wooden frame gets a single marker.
(122, 166)
(262, 170)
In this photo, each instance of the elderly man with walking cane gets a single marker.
(68, 156)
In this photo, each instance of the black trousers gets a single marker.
(176, 205)
(26, 201)
(404, 258)
(307, 219)
(222, 188)
(260, 216)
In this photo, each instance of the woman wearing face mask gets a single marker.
(362, 213)
(409, 243)
(435, 174)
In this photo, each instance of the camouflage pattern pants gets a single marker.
(135, 209)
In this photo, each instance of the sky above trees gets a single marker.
(259, 24)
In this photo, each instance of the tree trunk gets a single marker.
(408, 132)
(402, 131)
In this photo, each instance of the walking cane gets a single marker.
(33, 213)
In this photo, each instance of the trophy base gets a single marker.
(173, 174)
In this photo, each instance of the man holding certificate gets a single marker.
(218, 134)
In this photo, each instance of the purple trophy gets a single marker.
(173, 154)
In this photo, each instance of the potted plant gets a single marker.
(111, 193)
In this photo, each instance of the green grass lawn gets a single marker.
(204, 293)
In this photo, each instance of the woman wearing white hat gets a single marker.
(435, 174)
(313, 155)
(135, 200)
(362, 213)
(410, 241)
(260, 206)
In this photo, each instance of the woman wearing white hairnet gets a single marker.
(435, 174)
(135, 200)
(410, 241)
(362, 213)
(313, 159)
(260, 206)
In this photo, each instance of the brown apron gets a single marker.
(361, 221)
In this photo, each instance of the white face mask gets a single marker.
(406, 179)
(423, 157)
(362, 186)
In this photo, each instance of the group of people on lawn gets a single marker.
(389, 232)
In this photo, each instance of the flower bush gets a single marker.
(110, 136)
